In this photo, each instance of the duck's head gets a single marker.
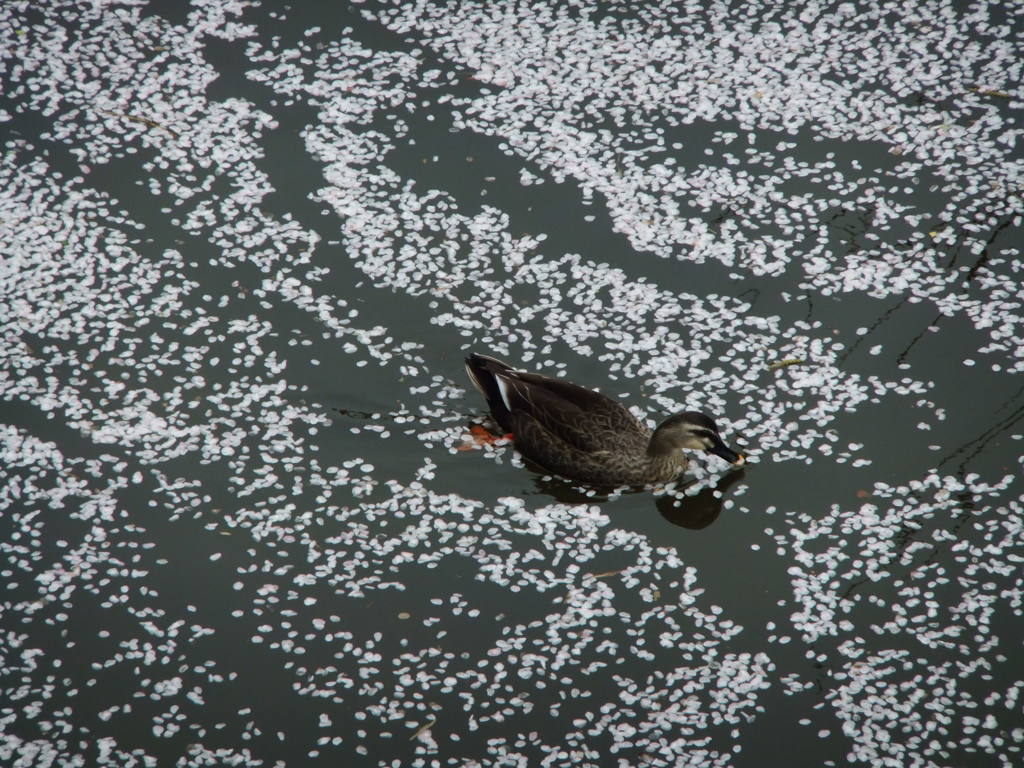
(691, 430)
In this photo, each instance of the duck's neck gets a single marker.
(661, 445)
(664, 467)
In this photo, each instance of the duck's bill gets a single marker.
(727, 453)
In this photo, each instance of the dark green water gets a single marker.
(245, 252)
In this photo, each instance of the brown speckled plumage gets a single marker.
(585, 436)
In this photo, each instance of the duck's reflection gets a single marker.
(693, 512)
(566, 491)
(701, 509)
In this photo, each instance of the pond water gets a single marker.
(245, 250)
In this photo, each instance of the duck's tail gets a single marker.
(484, 372)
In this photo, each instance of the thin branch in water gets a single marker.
(144, 120)
(606, 574)
(989, 92)
(425, 727)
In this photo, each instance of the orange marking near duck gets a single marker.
(478, 437)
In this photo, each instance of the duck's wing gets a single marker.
(581, 418)
(599, 406)
(559, 456)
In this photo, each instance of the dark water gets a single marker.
(245, 251)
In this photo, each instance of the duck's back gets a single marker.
(614, 458)
(568, 429)
(587, 419)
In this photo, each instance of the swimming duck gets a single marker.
(586, 436)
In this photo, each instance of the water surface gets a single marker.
(245, 251)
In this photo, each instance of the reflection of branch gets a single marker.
(1012, 398)
(984, 257)
(957, 250)
(351, 413)
(984, 438)
(852, 586)
(981, 261)
(135, 118)
(881, 319)
(902, 358)
(965, 502)
(908, 534)
(755, 291)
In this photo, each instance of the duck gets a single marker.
(585, 436)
